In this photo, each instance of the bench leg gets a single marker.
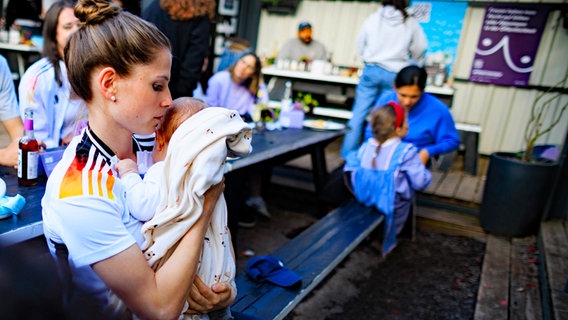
(470, 142)
(409, 229)
(319, 169)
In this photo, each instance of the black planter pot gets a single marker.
(515, 195)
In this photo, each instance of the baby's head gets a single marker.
(182, 109)
(388, 121)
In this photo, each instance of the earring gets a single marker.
(113, 98)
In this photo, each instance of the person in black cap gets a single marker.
(303, 47)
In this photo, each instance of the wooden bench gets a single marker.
(553, 246)
(312, 255)
(509, 286)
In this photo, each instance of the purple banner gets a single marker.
(508, 42)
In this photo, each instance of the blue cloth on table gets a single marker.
(9, 205)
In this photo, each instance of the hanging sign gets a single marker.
(508, 42)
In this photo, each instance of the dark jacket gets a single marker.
(190, 46)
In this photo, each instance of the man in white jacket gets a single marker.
(389, 40)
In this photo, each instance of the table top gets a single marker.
(337, 79)
(271, 144)
(266, 145)
(27, 224)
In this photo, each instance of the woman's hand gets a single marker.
(203, 299)
(66, 140)
(9, 155)
(424, 156)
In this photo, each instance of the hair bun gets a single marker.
(91, 12)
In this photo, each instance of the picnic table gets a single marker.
(269, 147)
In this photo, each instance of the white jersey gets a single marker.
(55, 112)
(84, 208)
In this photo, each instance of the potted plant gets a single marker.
(306, 102)
(518, 185)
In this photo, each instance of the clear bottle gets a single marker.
(28, 154)
(286, 102)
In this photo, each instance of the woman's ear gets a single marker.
(106, 82)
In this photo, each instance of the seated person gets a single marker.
(385, 171)
(9, 116)
(303, 47)
(45, 88)
(431, 125)
(240, 87)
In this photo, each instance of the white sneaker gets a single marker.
(259, 205)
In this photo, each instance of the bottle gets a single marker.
(28, 154)
(286, 102)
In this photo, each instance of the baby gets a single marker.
(191, 147)
(143, 195)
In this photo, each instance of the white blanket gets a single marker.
(194, 162)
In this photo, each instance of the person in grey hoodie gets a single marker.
(389, 40)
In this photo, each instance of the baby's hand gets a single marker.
(126, 166)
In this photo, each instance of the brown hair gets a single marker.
(183, 108)
(253, 82)
(108, 36)
(383, 125)
(49, 34)
(400, 5)
(188, 9)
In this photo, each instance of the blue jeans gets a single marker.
(372, 83)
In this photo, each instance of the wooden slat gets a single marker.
(525, 301)
(448, 187)
(437, 177)
(493, 294)
(467, 187)
(478, 196)
(554, 242)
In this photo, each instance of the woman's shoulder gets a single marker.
(41, 68)
(221, 74)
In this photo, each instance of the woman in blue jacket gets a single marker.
(431, 127)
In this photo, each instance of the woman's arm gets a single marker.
(214, 91)
(418, 176)
(160, 294)
(9, 154)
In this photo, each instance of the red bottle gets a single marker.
(28, 155)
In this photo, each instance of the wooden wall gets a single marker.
(502, 112)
